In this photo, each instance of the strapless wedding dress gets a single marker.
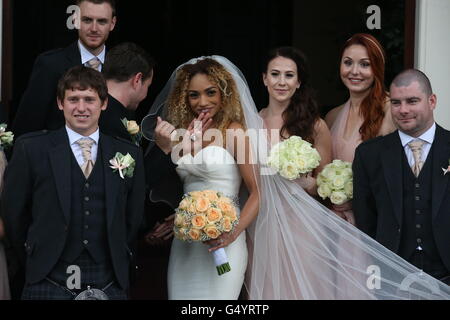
(192, 273)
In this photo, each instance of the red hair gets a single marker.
(372, 106)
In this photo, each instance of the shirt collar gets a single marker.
(86, 55)
(74, 136)
(427, 136)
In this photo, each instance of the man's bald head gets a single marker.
(406, 77)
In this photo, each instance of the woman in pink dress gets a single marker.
(366, 114)
(292, 109)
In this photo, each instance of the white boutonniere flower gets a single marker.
(124, 164)
(6, 137)
(448, 168)
(134, 130)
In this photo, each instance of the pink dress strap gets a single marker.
(344, 148)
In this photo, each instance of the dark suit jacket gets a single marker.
(163, 184)
(110, 122)
(36, 201)
(38, 109)
(378, 191)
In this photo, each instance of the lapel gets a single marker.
(73, 55)
(391, 156)
(112, 179)
(441, 156)
(60, 162)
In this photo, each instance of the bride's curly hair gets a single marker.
(179, 112)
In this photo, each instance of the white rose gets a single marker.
(348, 189)
(338, 182)
(324, 191)
(289, 172)
(338, 197)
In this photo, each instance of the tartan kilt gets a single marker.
(95, 275)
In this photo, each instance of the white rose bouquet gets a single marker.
(336, 182)
(205, 215)
(293, 157)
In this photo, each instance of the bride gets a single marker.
(298, 249)
(203, 91)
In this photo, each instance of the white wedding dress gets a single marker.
(192, 273)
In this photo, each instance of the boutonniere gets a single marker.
(123, 164)
(448, 168)
(6, 137)
(133, 130)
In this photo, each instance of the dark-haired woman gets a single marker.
(292, 109)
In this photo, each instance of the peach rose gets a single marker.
(202, 204)
(184, 204)
(211, 195)
(196, 194)
(198, 221)
(195, 234)
(227, 226)
(225, 207)
(179, 220)
(214, 215)
(212, 232)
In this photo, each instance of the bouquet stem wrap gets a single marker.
(221, 261)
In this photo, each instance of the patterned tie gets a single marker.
(86, 145)
(416, 148)
(94, 63)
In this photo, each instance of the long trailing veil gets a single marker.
(299, 249)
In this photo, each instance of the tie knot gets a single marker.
(94, 63)
(416, 145)
(86, 145)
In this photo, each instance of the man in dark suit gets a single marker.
(37, 109)
(401, 196)
(69, 215)
(128, 71)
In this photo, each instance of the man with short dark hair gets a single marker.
(128, 71)
(401, 192)
(38, 109)
(73, 199)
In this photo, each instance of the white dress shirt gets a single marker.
(86, 55)
(76, 149)
(427, 137)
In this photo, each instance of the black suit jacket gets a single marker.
(378, 191)
(36, 201)
(38, 109)
(162, 182)
(110, 122)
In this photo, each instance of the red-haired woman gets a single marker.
(366, 114)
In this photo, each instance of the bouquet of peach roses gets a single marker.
(205, 215)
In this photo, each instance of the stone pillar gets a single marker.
(432, 54)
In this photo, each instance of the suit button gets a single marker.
(419, 241)
(418, 226)
(418, 212)
(86, 199)
(399, 230)
(86, 242)
(417, 198)
(87, 213)
(87, 185)
(86, 227)
(417, 185)
(66, 228)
